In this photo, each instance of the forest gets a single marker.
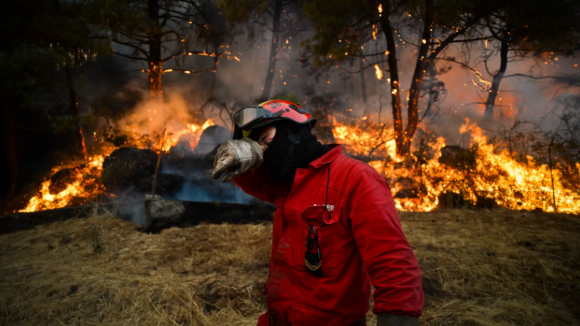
(482, 86)
(470, 110)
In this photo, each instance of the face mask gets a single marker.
(308, 150)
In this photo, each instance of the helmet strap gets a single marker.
(294, 141)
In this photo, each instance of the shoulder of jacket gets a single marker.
(352, 169)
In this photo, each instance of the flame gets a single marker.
(512, 184)
(192, 129)
(87, 185)
(378, 72)
(366, 138)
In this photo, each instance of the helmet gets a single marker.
(259, 116)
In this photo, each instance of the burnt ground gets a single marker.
(495, 267)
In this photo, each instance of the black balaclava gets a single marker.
(309, 149)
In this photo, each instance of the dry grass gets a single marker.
(480, 268)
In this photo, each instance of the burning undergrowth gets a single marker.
(182, 144)
(482, 171)
(74, 184)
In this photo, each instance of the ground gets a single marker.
(496, 267)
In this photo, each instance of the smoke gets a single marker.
(338, 92)
(153, 117)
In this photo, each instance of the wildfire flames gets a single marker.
(497, 176)
(378, 72)
(86, 185)
(193, 130)
(87, 176)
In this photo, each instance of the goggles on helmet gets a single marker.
(258, 116)
(249, 117)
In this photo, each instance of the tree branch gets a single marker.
(131, 57)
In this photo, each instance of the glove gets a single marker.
(235, 157)
(391, 320)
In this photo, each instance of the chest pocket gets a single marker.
(333, 239)
(335, 242)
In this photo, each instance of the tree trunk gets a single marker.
(273, 51)
(394, 75)
(490, 103)
(363, 85)
(10, 145)
(381, 67)
(214, 77)
(155, 64)
(432, 72)
(415, 89)
(74, 109)
(403, 137)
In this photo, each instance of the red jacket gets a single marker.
(361, 243)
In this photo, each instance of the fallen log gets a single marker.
(24, 221)
(195, 213)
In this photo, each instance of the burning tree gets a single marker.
(344, 30)
(157, 31)
(523, 28)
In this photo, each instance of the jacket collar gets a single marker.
(335, 151)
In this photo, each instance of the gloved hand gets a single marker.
(391, 320)
(235, 157)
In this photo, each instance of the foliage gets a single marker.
(237, 11)
(292, 97)
(181, 26)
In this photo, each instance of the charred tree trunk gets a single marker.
(394, 75)
(155, 64)
(403, 137)
(432, 72)
(74, 109)
(490, 103)
(363, 85)
(216, 47)
(381, 66)
(415, 89)
(10, 145)
(273, 50)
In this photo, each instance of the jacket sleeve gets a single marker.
(386, 253)
(258, 184)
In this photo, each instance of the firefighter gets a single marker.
(336, 230)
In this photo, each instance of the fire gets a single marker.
(378, 72)
(86, 184)
(192, 129)
(366, 139)
(498, 176)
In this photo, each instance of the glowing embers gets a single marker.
(378, 72)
